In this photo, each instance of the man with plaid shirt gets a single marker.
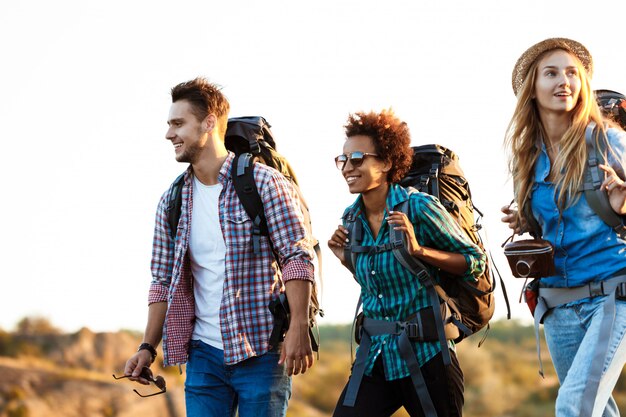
(209, 293)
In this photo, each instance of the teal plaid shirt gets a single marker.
(391, 292)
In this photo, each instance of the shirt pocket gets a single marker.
(238, 228)
(584, 218)
(582, 210)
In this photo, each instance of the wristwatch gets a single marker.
(149, 348)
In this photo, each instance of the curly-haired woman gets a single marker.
(582, 306)
(376, 155)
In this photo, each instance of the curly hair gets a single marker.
(391, 138)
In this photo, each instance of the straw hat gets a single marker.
(526, 60)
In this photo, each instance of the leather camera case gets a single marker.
(530, 258)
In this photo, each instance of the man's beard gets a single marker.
(189, 155)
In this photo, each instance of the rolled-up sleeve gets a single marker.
(286, 225)
(440, 230)
(162, 262)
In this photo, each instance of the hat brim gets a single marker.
(520, 71)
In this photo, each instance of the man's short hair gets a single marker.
(205, 98)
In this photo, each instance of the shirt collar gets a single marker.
(222, 176)
(543, 161)
(397, 194)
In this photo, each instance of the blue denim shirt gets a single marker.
(586, 248)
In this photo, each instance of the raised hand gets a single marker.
(399, 221)
(338, 241)
(616, 189)
(511, 219)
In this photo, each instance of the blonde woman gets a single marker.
(582, 307)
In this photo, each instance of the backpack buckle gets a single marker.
(424, 278)
(596, 289)
(397, 244)
(382, 248)
(620, 229)
(411, 329)
(351, 216)
(255, 148)
(620, 291)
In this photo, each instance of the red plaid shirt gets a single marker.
(250, 280)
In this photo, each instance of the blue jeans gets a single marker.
(258, 386)
(572, 334)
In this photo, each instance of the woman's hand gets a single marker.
(452, 262)
(399, 221)
(511, 219)
(616, 189)
(338, 241)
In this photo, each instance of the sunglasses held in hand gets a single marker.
(356, 159)
(146, 373)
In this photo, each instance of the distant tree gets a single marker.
(33, 326)
(7, 347)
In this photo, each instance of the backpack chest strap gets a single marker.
(384, 247)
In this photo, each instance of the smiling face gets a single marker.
(188, 135)
(557, 83)
(371, 174)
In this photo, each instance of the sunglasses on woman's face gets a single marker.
(356, 159)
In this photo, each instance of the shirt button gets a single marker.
(384, 342)
(386, 318)
(373, 272)
(379, 351)
(380, 296)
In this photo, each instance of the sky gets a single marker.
(85, 96)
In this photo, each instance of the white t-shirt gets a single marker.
(207, 253)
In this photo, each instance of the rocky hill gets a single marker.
(44, 373)
(54, 375)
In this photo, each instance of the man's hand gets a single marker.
(143, 358)
(296, 353)
(135, 365)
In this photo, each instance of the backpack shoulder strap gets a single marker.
(355, 236)
(246, 189)
(433, 175)
(531, 223)
(593, 178)
(174, 204)
(434, 291)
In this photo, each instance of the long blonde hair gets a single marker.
(525, 130)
